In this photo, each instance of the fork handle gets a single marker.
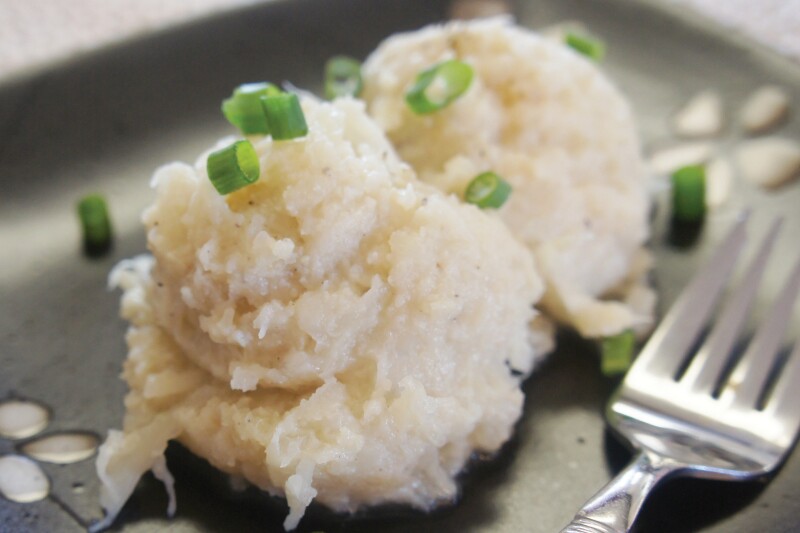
(614, 508)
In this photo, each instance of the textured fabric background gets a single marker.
(775, 23)
(33, 32)
(38, 31)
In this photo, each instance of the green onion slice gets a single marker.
(233, 167)
(284, 116)
(617, 353)
(588, 46)
(438, 86)
(342, 77)
(243, 108)
(95, 223)
(689, 193)
(487, 190)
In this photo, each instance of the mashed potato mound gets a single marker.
(547, 120)
(337, 331)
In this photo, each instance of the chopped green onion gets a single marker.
(233, 167)
(487, 190)
(284, 116)
(617, 353)
(438, 86)
(342, 77)
(95, 223)
(588, 46)
(689, 193)
(243, 108)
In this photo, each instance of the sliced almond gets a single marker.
(764, 109)
(700, 117)
(62, 448)
(719, 177)
(667, 160)
(22, 480)
(769, 162)
(22, 418)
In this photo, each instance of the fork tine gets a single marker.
(669, 343)
(784, 403)
(747, 380)
(706, 367)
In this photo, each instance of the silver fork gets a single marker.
(705, 421)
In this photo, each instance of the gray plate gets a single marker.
(105, 121)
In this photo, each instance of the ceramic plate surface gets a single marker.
(105, 121)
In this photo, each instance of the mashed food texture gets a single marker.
(546, 119)
(337, 331)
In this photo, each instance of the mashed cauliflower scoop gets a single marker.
(337, 331)
(547, 120)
